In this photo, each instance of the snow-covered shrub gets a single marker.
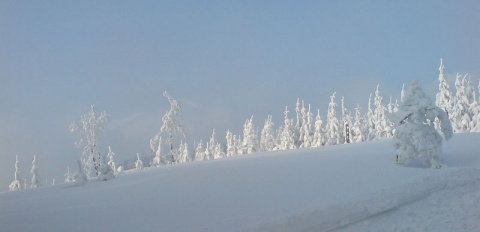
(79, 178)
(415, 135)
(17, 182)
(138, 163)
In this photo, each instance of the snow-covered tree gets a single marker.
(156, 145)
(17, 183)
(170, 127)
(346, 124)
(138, 163)
(211, 147)
(333, 124)
(200, 152)
(68, 176)
(444, 97)
(461, 116)
(184, 154)
(105, 171)
(250, 140)
(383, 126)
(267, 138)
(358, 128)
(231, 148)
(90, 126)
(415, 137)
(111, 159)
(318, 134)
(306, 129)
(402, 93)
(287, 135)
(80, 178)
(35, 176)
(371, 122)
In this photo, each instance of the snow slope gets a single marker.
(355, 187)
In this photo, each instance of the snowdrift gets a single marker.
(354, 187)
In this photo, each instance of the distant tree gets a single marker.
(333, 124)
(318, 134)
(231, 148)
(415, 137)
(306, 133)
(371, 122)
(200, 152)
(267, 138)
(250, 140)
(184, 155)
(138, 163)
(287, 135)
(156, 146)
(17, 182)
(90, 125)
(170, 126)
(402, 93)
(111, 159)
(358, 128)
(105, 171)
(383, 126)
(80, 178)
(68, 176)
(461, 115)
(346, 123)
(444, 97)
(35, 176)
(211, 146)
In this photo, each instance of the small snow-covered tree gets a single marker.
(402, 93)
(138, 163)
(111, 159)
(461, 115)
(231, 148)
(287, 135)
(90, 125)
(250, 140)
(371, 122)
(68, 176)
(333, 124)
(267, 138)
(415, 137)
(80, 178)
(35, 176)
(105, 171)
(383, 126)
(17, 182)
(318, 134)
(346, 123)
(358, 128)
(444, 97)
(200, 152)
(306, 129)
(156, 145)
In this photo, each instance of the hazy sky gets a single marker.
(224, 61)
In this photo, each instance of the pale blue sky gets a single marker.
(224, 60)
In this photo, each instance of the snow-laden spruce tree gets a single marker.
(444, 97)
(318, 134)
(267, 138)
(287, 134)
(68, 176)
(371, 122)
(250, 140)
(90, 126)
(358, 132)
(346, 123)
(105, 171)
(17, 182)
(157, 141)
(200, 152)
(333, 124)
(306, 134)
(231, 148)
(36, 182)
(170, 127)
(416, 136)
(383, 126)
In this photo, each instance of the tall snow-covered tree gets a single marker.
(333, 124)
(415, 137)
(383, 126)
(371, 122)
(170, 127)
(36, 182)
(461, 117)
(250, 140)
(318, 134)
(90, 126)
(267, 138)
(444, 97)
(156, 145)
(17, 183)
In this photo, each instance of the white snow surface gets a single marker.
(354, 187)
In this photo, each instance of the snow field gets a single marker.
(355, 187)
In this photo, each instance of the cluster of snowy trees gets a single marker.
(19, 183)
(303, 130)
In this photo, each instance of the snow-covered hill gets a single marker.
(355, 187)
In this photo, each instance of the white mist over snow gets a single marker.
(355, 187)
